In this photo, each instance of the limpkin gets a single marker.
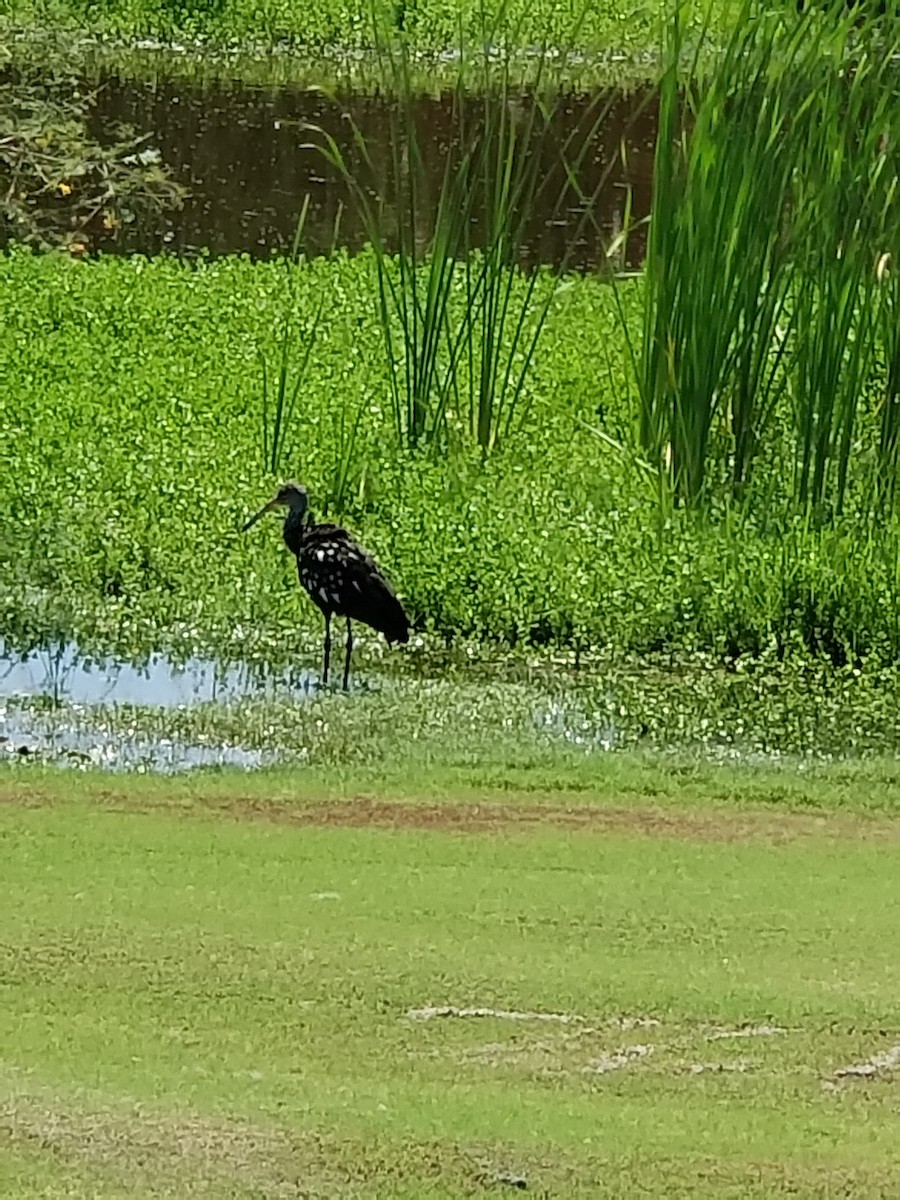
(340, 577)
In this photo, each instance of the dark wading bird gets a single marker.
(340, 577)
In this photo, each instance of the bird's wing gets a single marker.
(341, 576)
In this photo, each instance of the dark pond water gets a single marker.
(247, 158)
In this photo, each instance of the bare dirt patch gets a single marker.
(489, 817)
(881, 1065)
(184, 1154)
(430, 1011)
(484, 817)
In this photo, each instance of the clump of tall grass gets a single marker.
(460, 333)
(774, 199)
(845, 197)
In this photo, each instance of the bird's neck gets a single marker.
(295, 524)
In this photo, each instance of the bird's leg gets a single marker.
(327, 647)
(349, 652)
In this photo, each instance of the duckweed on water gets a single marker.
(248, 30)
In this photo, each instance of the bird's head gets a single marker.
(291, 496)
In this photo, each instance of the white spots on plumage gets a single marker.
(337, 573)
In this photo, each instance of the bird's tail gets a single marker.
(385, 613)
(399, 631)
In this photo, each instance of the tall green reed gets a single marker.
(889, 408)
(416, 257)
(528, 163)
(716, 287)
(773, 197)
(461, 322)
(846, 201)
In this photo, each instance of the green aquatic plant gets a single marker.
(555, 543)
(463, 369)
(774, 196)
(334, 42)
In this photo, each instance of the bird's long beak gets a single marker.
(262, 512)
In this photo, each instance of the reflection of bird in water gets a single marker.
(340, 577)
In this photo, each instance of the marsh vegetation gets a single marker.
(444, 936)
(702, 458)
(697, 458)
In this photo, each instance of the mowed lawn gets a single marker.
(224, 1002)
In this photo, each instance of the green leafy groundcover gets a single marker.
(131, 434)
(431, 26)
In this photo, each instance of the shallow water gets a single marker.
(64, 674)
(56, 706)
(74, 726)
(58, 738)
